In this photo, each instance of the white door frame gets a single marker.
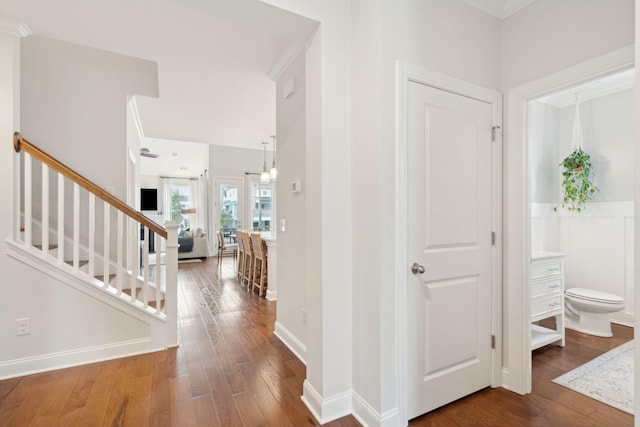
(517, 229)
(405, 73)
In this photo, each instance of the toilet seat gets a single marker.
(595, 296)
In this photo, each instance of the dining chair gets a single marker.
(249, 263)
(259, 278)
(241, 255)
(224, 249)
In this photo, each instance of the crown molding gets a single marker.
(500, 9)
(8, 26)
(285, 60)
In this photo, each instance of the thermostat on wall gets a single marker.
(296, 187)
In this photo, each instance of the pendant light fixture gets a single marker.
(264, 176)
(273, 173)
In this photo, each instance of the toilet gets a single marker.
(587, 310)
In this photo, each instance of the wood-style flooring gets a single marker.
(230, 370)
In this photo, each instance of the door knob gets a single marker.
(417, 268)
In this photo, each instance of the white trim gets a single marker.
(8, 26)
(78, 357)
(518, 206)
(285, 60)
(291, 341)
(77, 279)
(369, 417)
(406, 72)
(326, 410)
(135, 114)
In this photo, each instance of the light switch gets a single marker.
(283, 225)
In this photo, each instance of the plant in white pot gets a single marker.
(577, 173)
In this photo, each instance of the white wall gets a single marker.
(550, 35)
(74, 105)
(290, 129)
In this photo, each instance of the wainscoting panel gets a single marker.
(599, 247)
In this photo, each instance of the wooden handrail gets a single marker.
(19, 143)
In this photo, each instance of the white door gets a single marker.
(450, 201)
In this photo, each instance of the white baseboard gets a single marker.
(294, 344)
(369, 417)
(271, 295)
(76, 357)
(326, 410)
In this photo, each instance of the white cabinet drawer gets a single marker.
(545, 270)
(546, 287)
(546, 305)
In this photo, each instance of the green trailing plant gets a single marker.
(577, 183)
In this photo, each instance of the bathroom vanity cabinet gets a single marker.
(547, 297)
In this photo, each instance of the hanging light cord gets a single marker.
(576, 142)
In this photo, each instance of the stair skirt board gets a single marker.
(156, 339)
(70, 278)
(77, 357)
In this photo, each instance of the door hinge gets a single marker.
(493, 238)
(493, 341)
(494, 131)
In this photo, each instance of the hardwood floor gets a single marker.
(230, 370)
(549, 404)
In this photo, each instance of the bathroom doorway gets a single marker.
(586, 244)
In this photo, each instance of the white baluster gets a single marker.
(119, 269)
(76, 226)
(60, 218)
(134, 253)
(107, 241)
(45, 210)
(158, 248)
(27, 200)
(92, 234)
(17, 196)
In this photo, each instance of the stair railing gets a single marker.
(154, 290)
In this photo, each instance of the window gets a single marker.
(181, 199)
(261, 204)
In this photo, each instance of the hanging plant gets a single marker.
(577, 181)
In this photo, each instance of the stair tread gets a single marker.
(101, 278)
(81, 262)
(51, 247)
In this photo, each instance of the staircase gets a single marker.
(71, 229)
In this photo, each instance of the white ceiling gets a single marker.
(499, 8)
(214, 58)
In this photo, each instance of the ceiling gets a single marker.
(214, 59)
(499, 8)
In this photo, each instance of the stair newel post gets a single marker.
(60, 218)
(106, 249)
(134, 253)
(45, 210)
(171, 291)
(17, 194)
(28, 191)
(145, 266)
(158, 293)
